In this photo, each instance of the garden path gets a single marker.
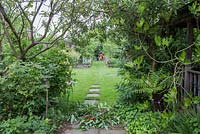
(92, 96)
(74, 129)
(91, 99)
(99, 75)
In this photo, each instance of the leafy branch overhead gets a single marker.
(40, 25)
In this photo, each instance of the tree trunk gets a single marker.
(152, 54)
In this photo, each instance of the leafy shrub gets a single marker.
(147, 123)
(74, 55)
(113, 62)
(28, 125)
(22, 89)
(126, 114)
(58, 69)
(140, 89)
(187, 122)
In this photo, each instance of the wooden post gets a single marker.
(190, 38)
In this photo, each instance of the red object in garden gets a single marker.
(101, 56)
(92, 118)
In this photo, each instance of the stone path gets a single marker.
(95, 131)
(92, 96)
(73, 129)
(91, 99)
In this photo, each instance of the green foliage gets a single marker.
(140, 23)
(141, 7)
(97, 116)
(25, 43)
(58, 69)
(132, 89)
(22, 89)
(101, 116)
(171, 98)
(86, 44)
(111, 49)
(139, 28)
(113, 62)
(147, 123)
(138, 120)
(196, 53)
(163, 41)
(186, 122)
(191, 101)
(32, 124)
(136, 63)
(195, 8)
(74, 55)
(127, 113)
(144, 27)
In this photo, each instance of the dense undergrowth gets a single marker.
(31, 91)
(136, 119)
(152, 53)
(137, 110)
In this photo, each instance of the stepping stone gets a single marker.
(91, 102)
(92, 95)
(94, 131)
(112, 132)
(95, 86)
(94, 90)
(73, 131)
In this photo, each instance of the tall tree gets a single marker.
(40, 24)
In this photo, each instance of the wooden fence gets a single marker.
(193, 82)
(190, 85)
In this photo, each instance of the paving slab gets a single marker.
(112, 132)
(91, 131)
(92, 95)
(95, 86)
(74, 129)
(95, 131)
(94, 90)
(91, 102)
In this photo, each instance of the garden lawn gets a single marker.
(100, 74)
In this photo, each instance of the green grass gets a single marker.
(98, 74)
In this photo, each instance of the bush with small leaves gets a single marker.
(27, 125)
(22, 89)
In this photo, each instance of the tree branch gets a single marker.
(23, 11)
(47, 48)
(8, 37)
(49, 20)
(33, 20)
(2, 11)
